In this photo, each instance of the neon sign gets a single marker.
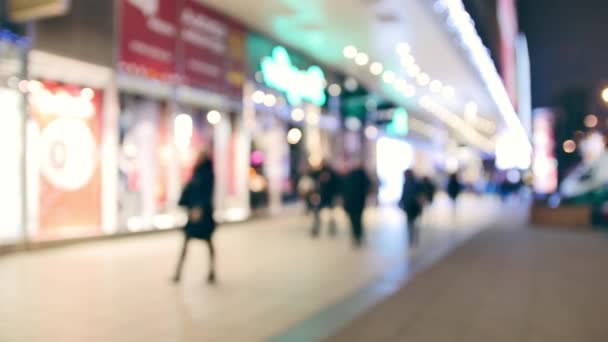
(298, 85)
(399, 126)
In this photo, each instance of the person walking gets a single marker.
(327, 187)
(454, 187)
(197, 198)
(357, 185)
(412, 199)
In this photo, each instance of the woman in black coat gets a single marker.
(197, 198)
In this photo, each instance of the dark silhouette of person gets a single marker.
(454, 187)
(429, 189)
(327, 188)
(356, 187)
(412, 199)
(197, 198)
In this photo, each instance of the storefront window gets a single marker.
(11, 147)
(64, 137)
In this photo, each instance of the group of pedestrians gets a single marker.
(322, 187)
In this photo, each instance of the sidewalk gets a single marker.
(506, 284)
(272, 275)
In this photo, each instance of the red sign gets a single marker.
(212, 50)
(149, 37)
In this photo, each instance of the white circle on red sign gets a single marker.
(68, 154)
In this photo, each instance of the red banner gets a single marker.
(213, 47)
(160, 38)
(149, 37)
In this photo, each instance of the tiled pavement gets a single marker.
(271, 276)
(506, 284)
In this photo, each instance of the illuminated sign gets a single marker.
(399, 126)
(298, 85)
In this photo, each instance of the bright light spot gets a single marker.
(569, 146)
(297, 114)
(436, 86)
(352, 124)
(334, 90)
(423, 79)
(351, 84)
(313, 118)
(448, 92)
(393, 157)
(470, 111)
(452, 165)
(258, 97)
(294, 136)
(376, 68)
(183, 129)
(403, 48)
(413, 70)
(87, 94)
(511, 152)
(361, 59)
(409, 91)
(34, 86)
(371, 132)
(270, 100)
(214, 117)
(389, 77)
(408, 60)
(605, 94)
(350, 52)
(591, 121)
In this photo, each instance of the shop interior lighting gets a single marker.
(591, 121)
(403, 49)
(423, 79)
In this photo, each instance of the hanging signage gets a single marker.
(148, 37)
(298, 85)
(164, 38)
(213, 50)
(27, 10)
(399, 126)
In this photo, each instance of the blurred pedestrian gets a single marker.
(197, 198)
(356, 187)
(412, 200)
(454, 187)
(429, 189)
(327, 188)
(307, 191)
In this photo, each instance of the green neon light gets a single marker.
(299, 85)
(399, 126)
